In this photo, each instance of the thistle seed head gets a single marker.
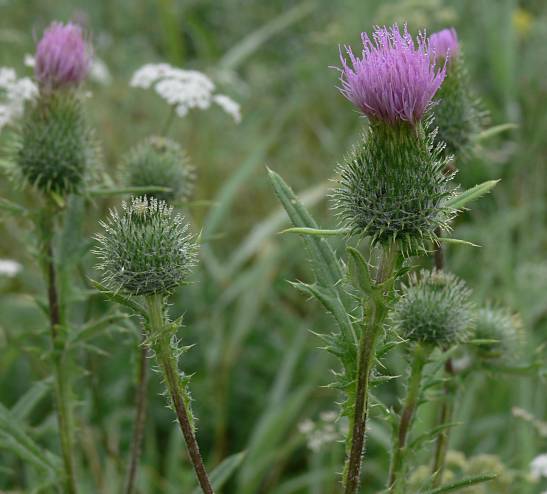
(434, 309)
(54, 144)
(146, 248)
(161, 162)
(393, 186)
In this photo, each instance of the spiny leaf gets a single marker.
(457, 241)
(460, 484)
(493, 131)
(471, 194)
(361, 275)
(340, 232)
(121, 299)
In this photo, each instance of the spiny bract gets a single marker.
(161, 162)
(54, 141)
(146, 248)
(393, 187)
(434, 308)
(505, 328)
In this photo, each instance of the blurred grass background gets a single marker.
(259, 372)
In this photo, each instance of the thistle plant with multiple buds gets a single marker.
(146, 252)
(53, 151)
(394, 190)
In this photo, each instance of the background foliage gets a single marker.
(258, 370)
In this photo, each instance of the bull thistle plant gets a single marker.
(394, 191)
(145, 252)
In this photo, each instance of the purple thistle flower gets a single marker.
(395, 79)
(63, 57)
(445, 43)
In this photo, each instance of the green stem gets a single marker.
(168, 122)
(445, 416)
(375, 316)
(140, 419)
(168, 363)
(62, 382)
(396, 469)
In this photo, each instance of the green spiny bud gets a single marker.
(434, 308)
(505, 328)
(53, 147)
(458, 115)
(146, 248)
(394, 187)
(161, 162)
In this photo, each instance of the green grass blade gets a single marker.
(222, 473)
(461, 484)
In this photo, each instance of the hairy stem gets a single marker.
(396, 469)
(445, 416)
(375, 316)
(140, 419)
(62, 382)
(168, 363)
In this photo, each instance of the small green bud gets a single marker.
(501, 325)
(435, 309)
(146, 249)
(458, 114)
(54, 142)
(161, 162)
(393, 187)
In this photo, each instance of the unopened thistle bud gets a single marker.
(457, 111)
(161, 162)
(501, 332)
(393, 185)
(54, 145)
(63, 58)
(146, 248)
(434, 309)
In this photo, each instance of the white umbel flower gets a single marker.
(9, 268)
(183, 89)
(13, 94)
(538, 467)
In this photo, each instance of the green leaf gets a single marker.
(493, 131)
(317, 231)
(25, 405)
(121, 299)
(457, 241)
(359, 272)
(222, 473)
(12, 207)
(471, 194)
(95, 328)
(14, 438)
(460, 484)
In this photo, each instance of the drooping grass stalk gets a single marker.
(396, 470)
(376, 315)
(61, 378)
(161, 345)
(140, 419)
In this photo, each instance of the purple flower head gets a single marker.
(395, 79)
(445, 43)
(63, 57)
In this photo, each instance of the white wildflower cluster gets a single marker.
(13, 94)
(183, 89)
(9, 268)
(538, 467)
(326, 430)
